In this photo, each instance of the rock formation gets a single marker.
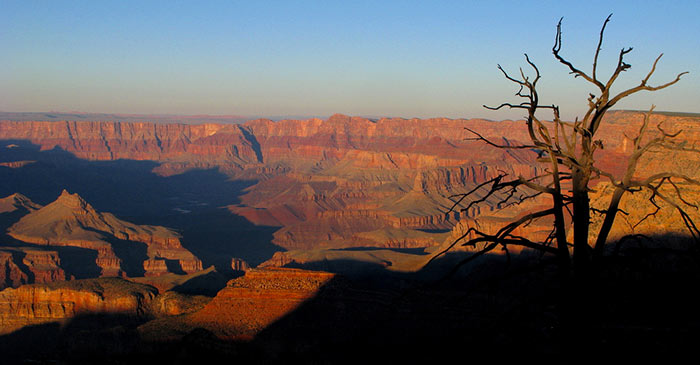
(16, 202)
(71, 221)
(11, 275)
(208, 144)
(23, 265)
(340, 181)
(324, 181)
(16, 164)
(248, 304)
(251, 303)
(332, 187)
(58, 302)
(239, 265)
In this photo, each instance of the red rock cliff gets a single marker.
(41, 303)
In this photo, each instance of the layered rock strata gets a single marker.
(11, 275)
(59, 302)
(71, 221)
(247, 305)
(333, 182)
(24, 265)
(251, 303)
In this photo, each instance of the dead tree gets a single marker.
(567, 149)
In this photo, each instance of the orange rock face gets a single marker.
(10, 273)
(44, 265)
(135, 141)
(22, 265)
(239, 265)
(17, 202)
(665, 228)
(56, 302)
(155, 267)
(252, 302)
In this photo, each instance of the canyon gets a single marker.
(341, 182)
(313, 184)
(243, 231)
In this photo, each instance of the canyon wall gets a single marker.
(58, 302)
(205, 143)
(336, 182)
(324, 182)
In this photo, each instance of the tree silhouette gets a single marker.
(567, 150)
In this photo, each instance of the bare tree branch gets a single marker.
(567, 149)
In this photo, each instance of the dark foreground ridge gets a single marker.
(644, 304)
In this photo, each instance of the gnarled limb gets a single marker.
(567, 149)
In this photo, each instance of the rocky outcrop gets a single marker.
(45, 266)
(171, 303)
(239, 264)
(11, 275)
(71, 221)
(160, 266)
(279, 259)
(248, 304)
(17, 201)
(57, 302)
(23, 265)
(190, 265)
(155, 267)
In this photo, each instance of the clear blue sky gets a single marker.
(379, 58)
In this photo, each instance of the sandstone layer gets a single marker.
(11, 275)
(247, 305)
(58, 302)
(23, 265)
(251, 303)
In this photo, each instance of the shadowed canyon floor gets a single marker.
(298, 316)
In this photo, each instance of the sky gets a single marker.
(316, 58)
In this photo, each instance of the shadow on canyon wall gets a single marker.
(192, 203)
(640, 304)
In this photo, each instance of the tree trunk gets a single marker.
(599, 248)
(563, 257)
(581, 218)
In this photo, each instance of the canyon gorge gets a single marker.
(231, 227)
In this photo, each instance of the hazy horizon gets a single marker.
(394, 59)
(75, 115)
